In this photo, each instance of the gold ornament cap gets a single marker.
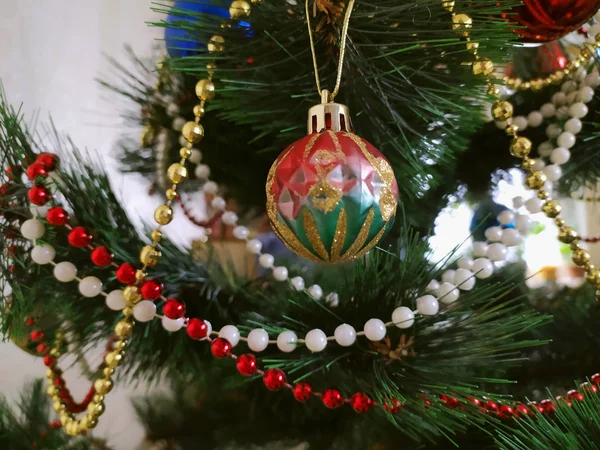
(328, 116)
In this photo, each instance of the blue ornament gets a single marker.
(180, 42)
(484, 217)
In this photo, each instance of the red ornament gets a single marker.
(274, 379)
(57, 216)
(548, 20)
(49, 360)
(196, 329)
(302, 391)
(246, 364)
(151, 290)
(38, 195)
(173, 309)
(220, 348)
(48, 160)
(36, 335)
(573, 394)
(393, 405)
(126, 273)
(79, 237)
(595, 378)
(101, 256)
(36, 170)
(332, 398)
(360, 402)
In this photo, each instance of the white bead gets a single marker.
(523, 223)
(231, 333)
(403, 317)
(545, 148)
(497, 252)
(479, 249)
(428, 304)
(172, 109)
(447, 293)
(315, 291)
(535, 119)
(566, 139)
(520, 122)
(202, 172)
(258, 340)
(533, 205)
(115, 300)
(208, 329)
(578, 110)
(464, 280)
(65, 271)
(43, 254)
(573, 125)
(560, 155)
(229, 218)
(32, 229)
(483, 268)
(298, 283)
(559, 98)
(506, 217)
(332, 299)
(538, 164)
(287, 341)
(571, 96)
(518, 202)
(580, 74)
(254, 246)
(501, 124)
(432, 287)
(345, 335)
(218, 203)
(552, 172)
(195, 156)
(568, 86)
(448, 276)
(144, 311)
(585, 94)
(510, 237)
(178, 123)
(172, 325)
(241, 232)
(90, 286)
(375, 329)
(562, 113)
(183, 141)
(315, 340)
(266, 260)
(39, 211)
(464, 262)
(210, 187)
(592, 79)
(493, 234)
(553, 131)
(280, 273)
(547, 110)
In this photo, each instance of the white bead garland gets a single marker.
(266, 260)
(403, 317)
(497, 252)
(315, 291)
(553, 172)
(258, 340)
(483, 268)
(195, 156)
(287, 341)
(464, 262)
(533, 205)
(90, 286)
(32, 229)
(315, 340)
(447, 293)
(448, 275)
(510, 237)
(210, 188)
(428, 305)
(280, 273)
(566, 139)
(65, 272)
(115, 300)
(202, 171)
(144, 311)
(208, 330)
(172, 325)
(534, 119)
(254, 246)
(479, 249)
(493, 234)
(231, 333)
(332, 300)
(464, 279)
(374, 330)
(298, 283)
(240, 232)
(229, 218)
(560, 155)
(43, 254)
(345, 335)
(218, 203)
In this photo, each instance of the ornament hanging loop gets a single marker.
(328, 116)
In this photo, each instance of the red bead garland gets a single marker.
(360, 402)
(57, 216)
(332, 398)
(220, 348)
(101, 256)
(302, 391)
(151, 290)
(36, 170)
(38, 195)
(274, 379)
(174, 309)
(125, 273)
(246, 364)
(48, 160)
(79, 237)
(197, 329)
(392, 406)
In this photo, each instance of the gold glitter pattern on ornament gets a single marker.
(310, 145)
(291, 241)
(361, 237)
(325, 196)
(339, 236)
(313, 235)
(387, 203)
(371, 244)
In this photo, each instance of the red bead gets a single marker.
(220, 348)
(58, 381)
(36, 170)
(393, 405)
(79, 237)
(450, 402)
(36, 335)
(573, 394)
(332, 398)
(506, 412)
(475, 401)
(173, 309)
(48, 160)
(49, 360)
(274, 379)
(38, 195)
(197, 329)
(151, 290)
(302, 391)
(55, 424)
(595, 378)
(57, 216)
(42, 348)
(548, 406)
(101, 256)
(587, 387)
(30, 321)
(246, 364)
(491, 405)
(126, 273)
(524, 410)
(9, 173)
(360, 402)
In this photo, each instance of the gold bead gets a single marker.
(156, 235)
(140, 275)
(473, 47)
(108, 372)
(58, 406)
(462, 22)
(89, 422)
(239, 8)
(103, 386)
(177, 172)
(185, 152)
(149, 255)
(192, 132)
(483, 67)
(71, 429)
(567, 235)
(493, 90)
(593, 277)
(163, 214)
(52, 391)
(127, 311)
(147, 137)
(205, 90)
(98, 398)
(535, 180)
(527, 163)
(131, 295)
(537, 84)
(559, 222)
(502, 110)
(199, 111)
(210, 68)
(123, 329)
(520, 147)
(511, 129)
(65, 418)
(96, 409)
(50, 374)
(581, 257)
(543, 194)
(448, 5)
(513, 83)
(216, 44)
(120, 344)
(551, 208)
(171, 194)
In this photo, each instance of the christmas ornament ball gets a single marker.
(331, 196)
(544, 20)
